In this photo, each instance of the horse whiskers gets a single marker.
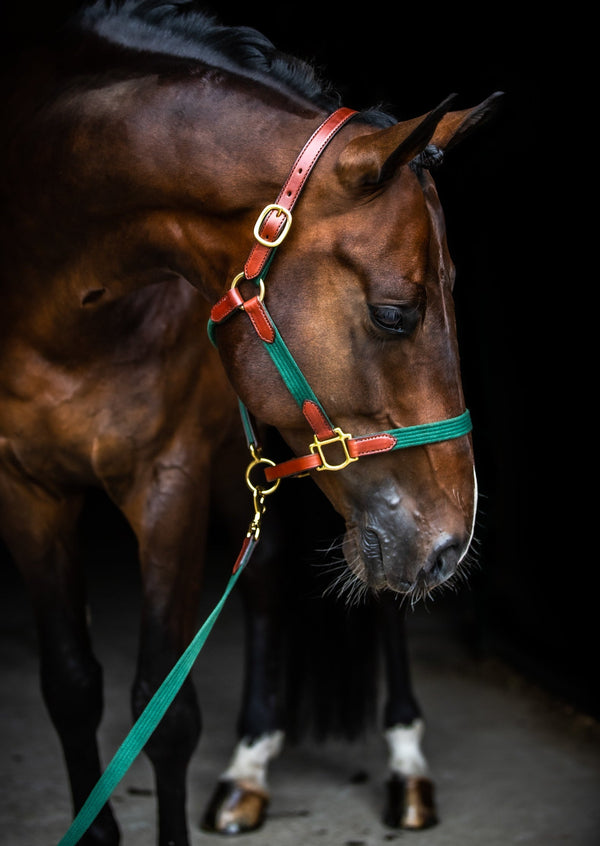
(417, 592)
(346, 583)
(350, 588)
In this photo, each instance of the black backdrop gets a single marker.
(532, 598)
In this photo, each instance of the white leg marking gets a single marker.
(250, 761)
(406, 757)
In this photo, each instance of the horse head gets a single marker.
(362, 295)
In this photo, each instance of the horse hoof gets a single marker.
(236, 807)
(410, 803)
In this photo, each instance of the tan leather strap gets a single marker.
(357, 447)
(275, 218)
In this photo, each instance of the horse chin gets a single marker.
(370, 574)
(365, 565)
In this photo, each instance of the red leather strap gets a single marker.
(370, 445)
(228, 303)
(274, 221)
(317, 420)
(253, 307)
(293, 467)
(260, 320)
(364, 445)
(246, 545)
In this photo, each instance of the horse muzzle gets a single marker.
(398, 546)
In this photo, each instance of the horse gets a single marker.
(143, 145)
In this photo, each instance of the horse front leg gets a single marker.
(169, 518)
(410, 794)
(241, 797)
(40, 532)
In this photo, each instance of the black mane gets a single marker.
(182, 31)
(163, 35)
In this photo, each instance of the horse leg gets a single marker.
(241, 797)
(410, 799)
(45, 551)
(167, 510)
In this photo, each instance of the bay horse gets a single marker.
(143, 145)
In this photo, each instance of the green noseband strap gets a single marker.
(430, 433)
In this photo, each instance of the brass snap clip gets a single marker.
(258, 492)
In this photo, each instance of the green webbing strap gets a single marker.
(284, 362)
(429, 433)
(247, 426)
(147, 722)
(290, 372)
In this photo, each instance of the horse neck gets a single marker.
(212, 155)
(168, 168)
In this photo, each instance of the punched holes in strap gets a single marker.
(274, 220)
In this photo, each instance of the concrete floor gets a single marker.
(511, 765)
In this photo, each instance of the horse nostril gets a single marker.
(444, 560)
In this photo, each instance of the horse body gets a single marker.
(134, 181)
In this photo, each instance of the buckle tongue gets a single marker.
(280, 210)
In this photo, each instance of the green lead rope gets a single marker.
(146, 723)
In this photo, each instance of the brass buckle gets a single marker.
(280, 210)
(341, 438)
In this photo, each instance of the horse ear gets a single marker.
(454, 126)
(370, 160)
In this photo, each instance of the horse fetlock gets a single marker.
(410, 791)
(404, 744)
(241, 797)
(251, 758)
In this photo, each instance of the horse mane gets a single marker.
(180, 32)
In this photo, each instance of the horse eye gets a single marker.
(392, 318)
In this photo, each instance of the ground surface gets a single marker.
(512, 766)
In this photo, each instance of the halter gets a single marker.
(271, 228)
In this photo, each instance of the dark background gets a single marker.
(532, 599)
